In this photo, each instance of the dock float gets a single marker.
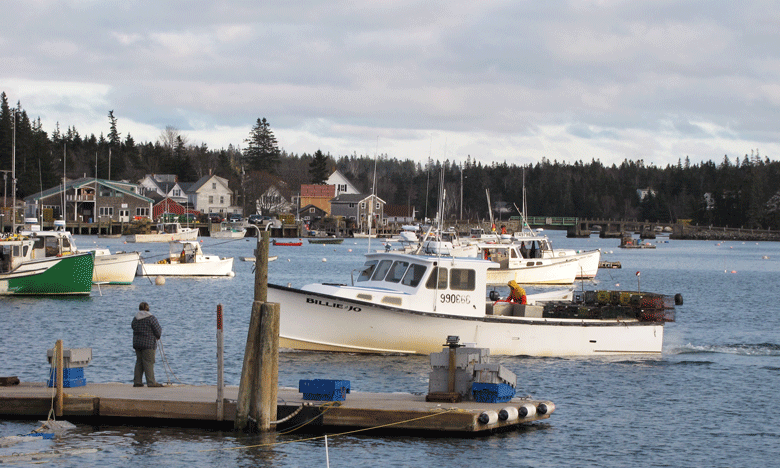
(609, 265)
(196, 406)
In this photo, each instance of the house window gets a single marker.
(211, 199)
(106, 211)
(342, 187)
(362, 205)
(213, 185)
(142, 211)
(221, 200)
(351, 205)
(311, 210)
(177, 193)
(377, 206)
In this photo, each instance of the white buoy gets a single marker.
(231, 274)
(527, 410)
(508, 414)
(159, 281)
(488, 417)
(324, 259)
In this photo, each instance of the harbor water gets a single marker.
(711, 398)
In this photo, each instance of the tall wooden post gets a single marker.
(59, 362)
(269, 367)
(220, 367)
(258, 388)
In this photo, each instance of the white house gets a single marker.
(343, 186)
(165, 185)
(211, 194)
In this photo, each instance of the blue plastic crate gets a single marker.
(324, 389)
(492, 392)
(71, 377)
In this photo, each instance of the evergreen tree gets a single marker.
(263, 153)
(113, 134)
(318, 168)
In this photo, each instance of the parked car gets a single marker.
(255, 219)
(215, 218)
(234, 218)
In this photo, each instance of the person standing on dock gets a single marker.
(146, 332)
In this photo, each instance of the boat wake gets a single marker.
(740, 349)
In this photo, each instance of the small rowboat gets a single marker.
(297, 243)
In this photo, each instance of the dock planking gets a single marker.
(196, 406)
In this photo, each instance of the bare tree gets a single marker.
(169, 138)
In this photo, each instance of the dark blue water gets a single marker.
(709, 400)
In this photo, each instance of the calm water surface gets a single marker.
(709, 400)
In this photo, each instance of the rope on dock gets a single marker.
(328, 406)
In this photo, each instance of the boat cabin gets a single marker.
(184, 251)
(451, 285)
(14, 252)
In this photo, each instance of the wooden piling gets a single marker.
(59, 362)
(260, 374)
(269, 368)
(249, 371)
(220, 366)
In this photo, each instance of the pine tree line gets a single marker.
(742, 193)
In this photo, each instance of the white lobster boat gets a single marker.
(186, 259)
(402, 303)
(524, 269)
(534, 245)
(166, 232)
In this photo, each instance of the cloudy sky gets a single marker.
(500, 81)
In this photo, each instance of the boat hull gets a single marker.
(66, 275)
(221, 267)
(562, 272)
(228, 234)
(187, 234)
(116, 268)
(321, 322)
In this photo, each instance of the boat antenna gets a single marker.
(373, 195)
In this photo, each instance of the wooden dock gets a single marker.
(196, 406)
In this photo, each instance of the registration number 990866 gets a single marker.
(454, 298)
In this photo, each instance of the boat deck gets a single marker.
(196, 406)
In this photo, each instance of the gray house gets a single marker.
(89, 199)
(359, 210)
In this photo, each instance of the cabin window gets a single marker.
(414, 275)
(513, 253)
(65, 244)
(381, 270)
(438, 279)
(397, 272)
(368, 269)
(462, 280)
(38, 243)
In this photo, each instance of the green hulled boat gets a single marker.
(23, 274)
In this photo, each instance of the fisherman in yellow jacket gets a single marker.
(516, 293)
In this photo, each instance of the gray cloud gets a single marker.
(494, 80)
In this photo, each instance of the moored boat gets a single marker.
(23, 273)
(187, 259)
(166, 232)
(282, 243)
(326, 240)
(228, 231)
(516, 265)
(110, 268)
(402, 303)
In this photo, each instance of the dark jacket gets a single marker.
(146, 330)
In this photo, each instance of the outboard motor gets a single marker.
(494, 295)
